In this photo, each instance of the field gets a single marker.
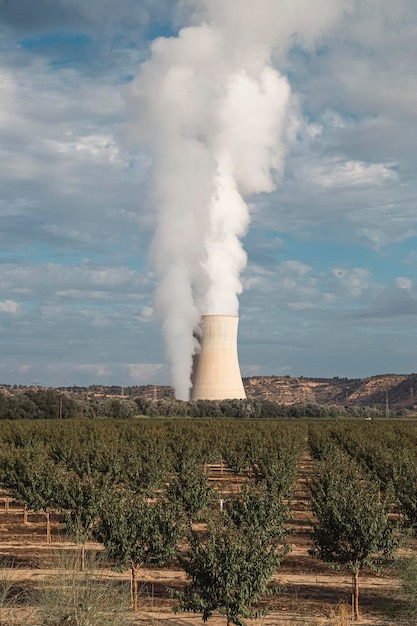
(39, 577)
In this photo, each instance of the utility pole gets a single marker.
(60, 407)
(386, 404)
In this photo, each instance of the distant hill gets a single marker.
(400, 390)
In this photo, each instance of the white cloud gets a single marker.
(353, 282)
(95, 147)
(403, 283)
(96, 370)
(73, 282)
(9, 306)
(351, 173)
(146, 314)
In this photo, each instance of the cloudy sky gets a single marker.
(330, 284)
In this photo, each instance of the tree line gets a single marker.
(46, 403)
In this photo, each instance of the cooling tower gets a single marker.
(216, 372)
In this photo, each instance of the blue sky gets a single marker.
(330, 285)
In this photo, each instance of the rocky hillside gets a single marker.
(400, 391)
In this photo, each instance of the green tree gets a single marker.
(51, 404)
(119, 409)
(81, 498)
(19, 406)
(31, 477)
(352, 528)
(190, 489)
(137, 532)
(405, 484)
(229, 568)
(147, 464)
(261, 508)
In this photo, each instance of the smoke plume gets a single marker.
(213, 108)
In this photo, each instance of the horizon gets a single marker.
(127, 386)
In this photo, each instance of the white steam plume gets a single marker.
(213, 109)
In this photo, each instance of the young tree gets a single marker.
(190, 490)
(229, 569)
(31, 477)
(258, 507)
(81, 498)
(352, 527)
(147, 464)
(136, 532)
(405, 484)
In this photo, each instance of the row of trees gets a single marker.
(253, 408)
(53, 404)
(144, 497)
(139, 488)
(363, 494)
(385, 452)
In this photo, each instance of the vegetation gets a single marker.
(140, 486)
(352, 528)
(31, 477)
(81, 598)
(73, 403)
(227, 574)
(408, 573)
(136, 532)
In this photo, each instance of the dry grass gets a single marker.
(74, 597)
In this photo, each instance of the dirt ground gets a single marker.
(311, 592)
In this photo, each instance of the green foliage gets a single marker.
(352, 527)
(190, 490)
(259, 508)
(136, 531)
(81, 498)
(386, 451)
(118, 409)
(408, 576)
(404, 478)
(146, 464)
(229, 569)
(51, 404)
(39, 404)
(30, 476)
(268, 451)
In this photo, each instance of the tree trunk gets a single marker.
(25, 515)
(134, 587)
(83, 556)
(6, 503)
(48, 527)
(355, 589)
